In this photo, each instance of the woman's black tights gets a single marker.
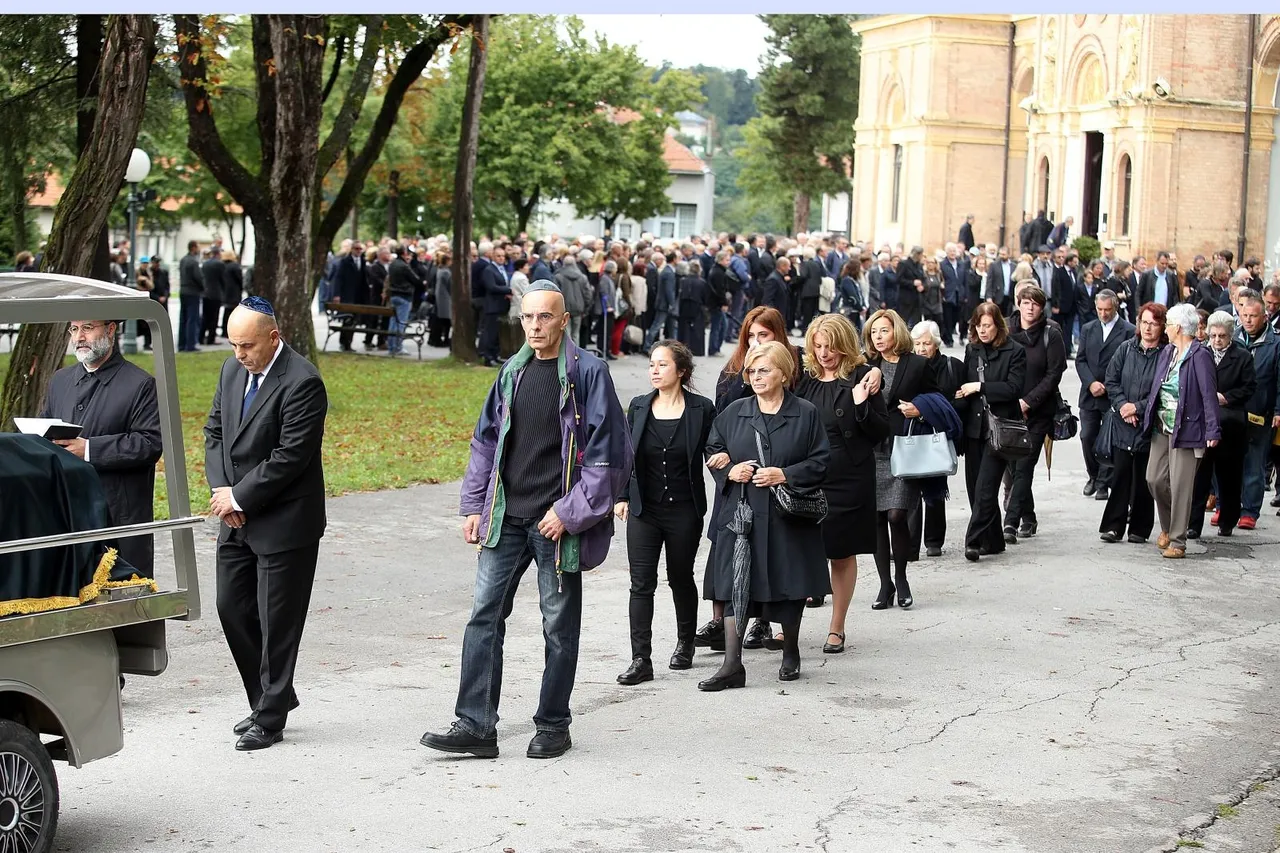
(892, 534)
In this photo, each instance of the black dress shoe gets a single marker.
(456, 740)
(1276, 500)
(549, 745)
(682, 657)
(1135, 539)
(756, 635)
(833, 648)
(904, 596)
(1109, 536)
(816, 602)
(788, 673)
(1224, 531)
(732, 679)
(1090, 488)
(708, 633)
(931, 551)
(1011, 536)
(885, 599)
(247, 723)
(1193, 534)
(972, 554)
(1102, 494)
(258, 738)
(640, 671)
(1027, 529)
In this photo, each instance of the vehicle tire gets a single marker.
(28, 791)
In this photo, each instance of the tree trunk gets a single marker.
(393, 204)
(89, 35)
(464, 331)
(81, 215)
(800, 213)
(15, 191)
(297, 46)
(524, 208)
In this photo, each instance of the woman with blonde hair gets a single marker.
(839, 382)
(772, 438)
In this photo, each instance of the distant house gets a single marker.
(691, 195)
(695, 127)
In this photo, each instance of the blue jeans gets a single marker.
(400, 304)
(717, 331)
(498, 576)
(664, 324)
(188, 322)
(1255, 462)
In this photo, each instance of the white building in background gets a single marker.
(695, 127)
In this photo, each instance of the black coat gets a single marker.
(1086, 306)
(159, 282)
(232, 283)
(1004, 377)
(402, 280)
(948, 374)
(271, 459)
(190, 277)
(776, 292)
(811, 273)
(966, 236)
(1064, 289)
(350, 280)
(1237, 382)
(214, 274)
(1147, 288)
(1094, 356)
(908, 297)
(1207, 294)
(788, 560)
(699, 413)
(912, 378)
(1046, 362)
(1129, 377)
(695, 295)
(375, 279)
(117, 407)
(862, 425)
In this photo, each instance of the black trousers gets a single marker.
(227, 308)
(808, 310)
(1022, 502)
(983, 472)
(1067, 320)
(692, 331)
(488, 348)
(1130, 501)
(1099, 469)
(440, 327)
(209, 320)
(1226, 462)
(262, 604)
(949, 314)
(344, 338)
(927, 521)
(144, 332)
(677, 528)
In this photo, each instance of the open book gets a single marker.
(53, 429)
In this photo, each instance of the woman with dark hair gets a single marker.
(850, 301)
(837, 380)
(1129, 376)
(906, 376)
(665, 502)
(996, 370)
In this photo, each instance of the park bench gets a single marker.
(10, 331)
(356, 319)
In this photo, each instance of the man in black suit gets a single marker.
(262, 458)
(884, 281)
(954, 270)
(1099, 340)
(911, 280)
(213, 274)
(1160, 284)
(349, 282)
(1064, 294)
(497, 301)
(776, 290)
(1027, 235)
(999, 284)
(965, 237)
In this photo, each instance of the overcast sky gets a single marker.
(723, 41)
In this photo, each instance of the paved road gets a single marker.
(1068, 696)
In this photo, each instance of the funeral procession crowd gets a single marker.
(803, 458)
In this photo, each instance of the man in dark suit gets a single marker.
(966, 233)
(911, 280)
(776, 291)
(1060, 236)
(213, 274)
(1086, 290)
(884, 281)
(1099, 340)
(262, 458)
(1043, 228)
(349, 282)
(1160, 284)
(999, 285)
(190, 293)
(1064, 294)
(1027, 235)
(954, 272)
(497, 301)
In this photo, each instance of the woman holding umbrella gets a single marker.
(772, 560)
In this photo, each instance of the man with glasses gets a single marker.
(549, 456)
(115, 403)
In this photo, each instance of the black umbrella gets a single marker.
(740, 524)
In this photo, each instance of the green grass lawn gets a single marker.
(392, 423)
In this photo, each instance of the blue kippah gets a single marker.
(257, 303)
(540, 285)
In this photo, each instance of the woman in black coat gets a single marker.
(788, 563)
(838, 381)
(1046, 362)
(665, 502)
(906, 376)
(695, 298)
(996, 368)
(1237, 380)
(927, 521)
(1129, 376)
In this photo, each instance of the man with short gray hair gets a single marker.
(1099, 341)
(1264, 346)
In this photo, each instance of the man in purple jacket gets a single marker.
(548, 456)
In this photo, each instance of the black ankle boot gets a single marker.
(682, 657)
(640, 671)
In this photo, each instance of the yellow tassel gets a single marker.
(88, 593)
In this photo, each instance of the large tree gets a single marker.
(283, 192)
(463, 337)
(810, 87)
(75, 241)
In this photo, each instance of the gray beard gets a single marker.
(96, 354)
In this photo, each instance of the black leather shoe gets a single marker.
(1027, 529)
(904, 594)
(247, 723)
(833, 648)
(816, 602)
(640, 671)
(1224, 531)
(971, 554)
(756, 635)
(708, 633)
(716, 683)
(456, 740)
(1090, 488)
(1193, 534)
(1102, 494)
(885, 599)
(1010, 536)
(549, 745)
(1276, 500)
(933, 552)
(682, 657)
(1109, 536)
(258, 738)
(787, 673)
(1135, 539)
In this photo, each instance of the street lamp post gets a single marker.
(137, 171)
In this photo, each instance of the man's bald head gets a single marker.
(543, 315)
(253, 336)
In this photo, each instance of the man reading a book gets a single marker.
(114, 402)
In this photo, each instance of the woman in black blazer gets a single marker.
(1237, 380)
(665, 502)
(928, 521)
(905, 377)
(997, 369)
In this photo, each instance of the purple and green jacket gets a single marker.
(595, 448)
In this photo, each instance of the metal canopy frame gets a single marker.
(56, 298)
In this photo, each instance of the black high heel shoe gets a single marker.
(885, 599)
(904, 595)
(716, 683)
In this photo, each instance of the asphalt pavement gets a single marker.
(1067, 696)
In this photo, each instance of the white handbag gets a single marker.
(918, 456)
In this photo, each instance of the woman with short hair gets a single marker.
(927, 520)
(1182, 418)
(838, 381)
(788, 563)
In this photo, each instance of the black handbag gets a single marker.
(1007, 438)
(1104, 444)
(1065, 424)
(808, 508)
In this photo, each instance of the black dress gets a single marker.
(853, 431)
